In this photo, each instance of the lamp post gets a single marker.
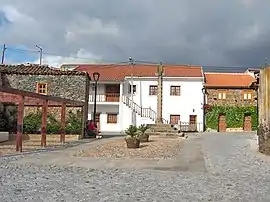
(204, 102)
(96, 76)
(132, 92)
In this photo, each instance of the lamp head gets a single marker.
(96, 76)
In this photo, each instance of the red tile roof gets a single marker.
(35, 69)
(228, 79)
(111, 72)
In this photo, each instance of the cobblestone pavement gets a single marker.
(229, 171)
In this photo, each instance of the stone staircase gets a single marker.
(143, 112)
(165, 130)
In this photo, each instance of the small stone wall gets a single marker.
(12, 136)
(234, 130)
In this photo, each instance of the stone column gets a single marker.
(264, 111)
(160, 94)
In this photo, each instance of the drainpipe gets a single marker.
(204, 101)
(141, 95)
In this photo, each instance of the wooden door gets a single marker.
(112, 92)
(247, 123)
(222, 123)
(174, 119)
(192, 123)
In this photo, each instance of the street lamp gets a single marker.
(132, 91)
(96, 76)
(204, 102)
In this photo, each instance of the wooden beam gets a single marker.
(63, 123)
(20, 124)
(44, 123)
(39, 96)
(83, 123)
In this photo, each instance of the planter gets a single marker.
(133, 143)
(144, 138)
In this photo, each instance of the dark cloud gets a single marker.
(210, 32)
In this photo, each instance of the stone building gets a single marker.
(231, 91)
(47, 80)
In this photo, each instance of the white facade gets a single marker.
(189, 102)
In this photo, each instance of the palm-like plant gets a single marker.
(143, 128)
(132, 131)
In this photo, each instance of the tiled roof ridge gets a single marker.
(36, 69)
(107, 65)
(230, 73)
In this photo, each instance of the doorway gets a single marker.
(247, 122)
(222, 126)
(112, 92)
(192, 123)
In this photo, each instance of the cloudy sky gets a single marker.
(208, 32)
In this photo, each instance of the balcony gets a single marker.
(108, 97)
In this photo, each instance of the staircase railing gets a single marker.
(143, 112)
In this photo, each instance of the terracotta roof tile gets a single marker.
(228, 79)
(34, 69)
(111, 72)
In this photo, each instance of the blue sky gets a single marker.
(15, 54)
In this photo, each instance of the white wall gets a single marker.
(104, 110)
(190, 102)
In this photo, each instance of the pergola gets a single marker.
(25, 98)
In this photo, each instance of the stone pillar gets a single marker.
(264, 111)
(160, 94)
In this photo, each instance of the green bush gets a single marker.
(53, 125)
(234, 116)
(74, 123)
(32, 123)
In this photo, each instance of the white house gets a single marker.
(182, 95)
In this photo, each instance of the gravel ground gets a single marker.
(234, 174)
(156, 148)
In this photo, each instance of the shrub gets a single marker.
(132, 132)
(74, 123)
(32, 123)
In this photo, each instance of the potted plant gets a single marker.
(132, 139)
(143, 136)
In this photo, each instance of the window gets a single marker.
(134, 89)
(192, 119)
(174, 119)
(175, 90)
(153, 90)
(222, 95)
(111, 118)
(247, 95)
(41, 88)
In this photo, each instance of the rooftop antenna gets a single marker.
(40, 54)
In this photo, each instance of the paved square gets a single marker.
(209, 167)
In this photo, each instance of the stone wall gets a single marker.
(8, 112)
(65, 86)
(234, 97)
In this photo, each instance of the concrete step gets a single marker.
(159, 125)
(163, 126)
(162, 130)
(166, 134)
